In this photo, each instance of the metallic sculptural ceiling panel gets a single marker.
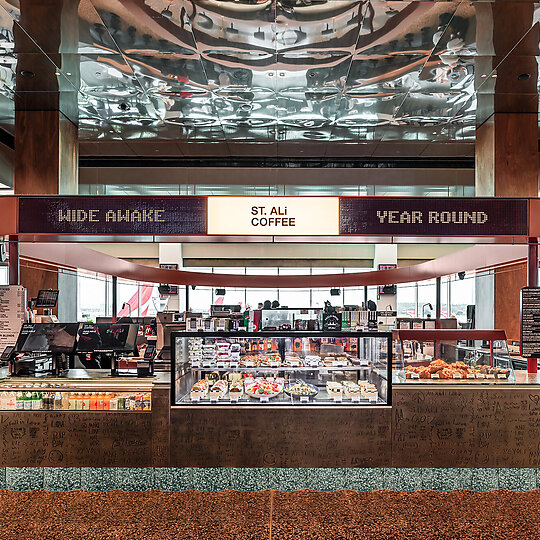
(265, 70)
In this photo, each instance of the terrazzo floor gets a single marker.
(272, 515)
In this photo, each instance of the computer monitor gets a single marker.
(56, 338)
(105, 337)
(47, 298)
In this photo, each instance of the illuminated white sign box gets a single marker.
(279, 216)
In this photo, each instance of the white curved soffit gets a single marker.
(76, 256)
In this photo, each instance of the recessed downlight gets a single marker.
(28, 74)
(524, 76)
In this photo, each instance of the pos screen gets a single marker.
(107, 337)
(47, 337)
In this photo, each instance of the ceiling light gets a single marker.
(271, 74)
(57, 73)
(282, 74)
(28, 74)
(68, 73)
(483, 75)
(494, 76)
(524, 76)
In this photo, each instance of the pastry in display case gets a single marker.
(281, 368)
(457, 356)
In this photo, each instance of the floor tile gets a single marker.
(24, 478)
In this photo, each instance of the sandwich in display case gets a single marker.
(456, 356)
(281, 368)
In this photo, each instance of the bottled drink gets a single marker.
(58, 401)
(71, 402)
(93, 401)
(106, 401)
(86, 401)
(28, 401)
(65, 401)
(78, 401)
(100, 403)
(19, 403)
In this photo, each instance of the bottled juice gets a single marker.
(71, 401)
(93, 401)
(58, 401)
(106, 401)
(100, 401)
(65, 401)
(113, 403)
(86, 401)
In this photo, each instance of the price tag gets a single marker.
(234, 399)
(338, 363)
(265, 399)
(373, 399)
(480, 376)
(221, 364)
(195, 365)
(233, 364)
(434, 375)
(323, 371)
(213, 399)
(457, 376)
(196, 398)
(470, 376)
(207, 364)
(304, 399)
(490, 376)
(338, 399)
(274, 364)
(364, 363)
(250, 364)
(415, 376)
(355, 399)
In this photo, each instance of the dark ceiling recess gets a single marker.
(280, 163)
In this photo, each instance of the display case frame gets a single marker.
(282, 335)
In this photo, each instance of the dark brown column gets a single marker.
(506, 76)
(46, 142)
(46, 117)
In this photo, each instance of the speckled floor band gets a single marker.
(270, 515)
(214, 479)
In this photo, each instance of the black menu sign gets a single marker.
(530, 322)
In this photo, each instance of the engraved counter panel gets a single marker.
(71, 439)
(469, 427)
(262, 437)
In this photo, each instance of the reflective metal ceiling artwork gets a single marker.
(267, 70)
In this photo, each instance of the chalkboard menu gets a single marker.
(530, 322)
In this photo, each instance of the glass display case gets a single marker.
(457, 356)
(75, 394)
(281, 368)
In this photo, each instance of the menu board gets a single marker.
(530, 322)
(12, 306)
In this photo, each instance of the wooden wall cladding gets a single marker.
(466, 427)
(262, 437)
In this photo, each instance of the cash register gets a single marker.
(43, 347)
(116, 345)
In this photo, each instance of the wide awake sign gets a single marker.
(112, 215)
